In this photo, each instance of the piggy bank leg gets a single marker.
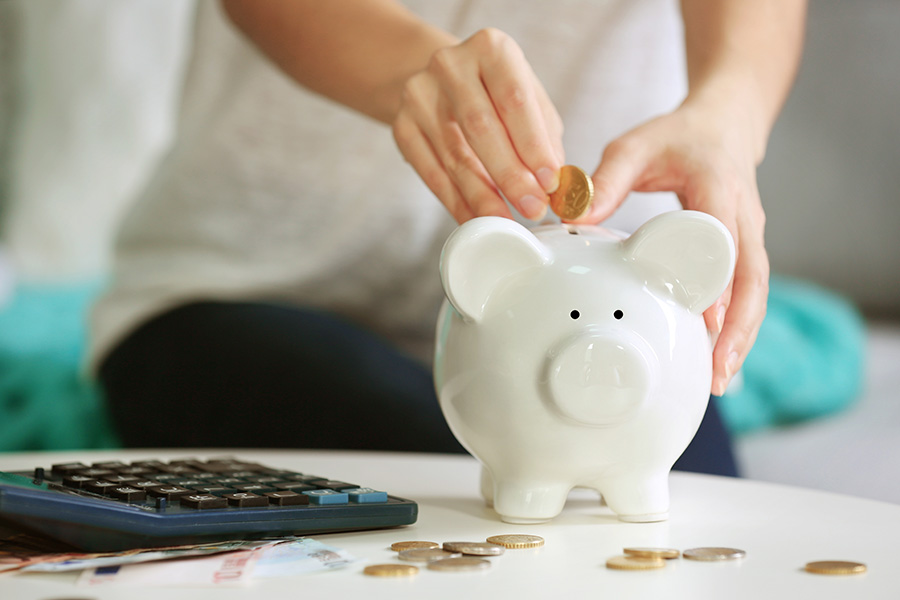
(525, 502)
(637, 499)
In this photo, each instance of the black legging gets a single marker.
(238, 374)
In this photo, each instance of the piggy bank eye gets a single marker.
(574, 314)
(618, 314)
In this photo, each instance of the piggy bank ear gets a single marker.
(480, 254)
(686, 254)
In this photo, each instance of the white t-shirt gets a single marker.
(273, 193)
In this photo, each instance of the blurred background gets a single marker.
(88, 93)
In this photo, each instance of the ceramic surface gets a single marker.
(572, 355)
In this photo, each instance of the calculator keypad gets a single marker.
(212, 484)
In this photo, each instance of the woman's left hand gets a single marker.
(706, 156)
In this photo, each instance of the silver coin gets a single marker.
(465, 563)
(713, 554)
(426, 555)
(475, 548)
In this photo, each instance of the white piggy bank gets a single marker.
(572, 355)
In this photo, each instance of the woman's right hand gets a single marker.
(478, 126)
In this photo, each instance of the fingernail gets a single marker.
(548, 178)
(720, 317)
(532, 208)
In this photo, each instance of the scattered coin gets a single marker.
(713, 554)
(574, 195)
(475, 548)
(652, 552)
(390, 570)
(634, 563)
(426, 554)
(517, 541)
(398, 546)
(835, 567)
(463, 563)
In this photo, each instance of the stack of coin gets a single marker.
(451, 556)
(643, 559)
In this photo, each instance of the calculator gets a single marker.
(113, 506)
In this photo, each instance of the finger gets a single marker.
(425, 106)
(714, 316)
(473, 109)
(522, 105)
(744, 316)
(416, 149)
(622, 164)
(555, 129)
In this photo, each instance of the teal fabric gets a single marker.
(46, 403)
(808, 360)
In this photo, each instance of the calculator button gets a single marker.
(226, 480)
(100, 487)
(304, 478)
(68, 468)
(203, 501)
(264, 479)
(77, 481)
(188, 483)
(136, 471)
(177, 469)
(112, 465)
(169, 492)
(327, 497)
(256, 488)
(215, 490)
(122, 479)
(147, 483)
(331, 484)
(244, 499)
(128, 494)
(287, 498)
(295, 486)
(244, 474)
(97, 473)
(367, 496)
(148, 464)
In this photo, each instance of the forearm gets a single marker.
(357, 52)
(743, 55)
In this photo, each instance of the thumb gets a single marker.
(619, 168)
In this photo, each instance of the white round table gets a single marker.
(781, 528)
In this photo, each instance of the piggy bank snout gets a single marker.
(598, 379)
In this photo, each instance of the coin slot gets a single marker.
(572, 230)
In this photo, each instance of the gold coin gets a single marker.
(713, 554)
(398, 546)
(463, 563)
(517, 541)
(835, 567)
(390, 570)
(633, 563)
(652, 552)
(426, 554)
(574, 195)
